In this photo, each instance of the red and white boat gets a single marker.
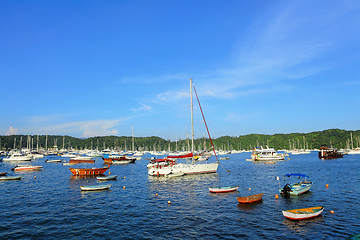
(88, 171)
(223, 189)
(303, 213)
(27, 168)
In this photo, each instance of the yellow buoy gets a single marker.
(327, 185)
(34, 177)
(249, 188)
(169, 202)
(124, 177)
(332, 212)
(276, 196)
(124, 187)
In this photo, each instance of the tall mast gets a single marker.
(192, 117)
(132, 139)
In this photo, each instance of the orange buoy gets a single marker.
(156, 194)
(169, 202)
(327, 185)
(276, 196)
(124, 187)
(249, 188)
(332, 212)
(109, 172)
(124, 177)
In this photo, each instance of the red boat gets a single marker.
(110, 159)
(189, 155)
(88, 171)
(76, 161)
(250, 199)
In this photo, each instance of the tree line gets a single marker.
(332, 137)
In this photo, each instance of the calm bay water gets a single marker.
(51, 206)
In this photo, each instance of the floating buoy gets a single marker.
(249, 188)
(34, 177)
(332, 212)
(156, 194)
(124, 177)
(327, 185)
(276, 196)
(109, 172)
(124, 187)
(169, 202)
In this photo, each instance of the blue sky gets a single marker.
(95, 68)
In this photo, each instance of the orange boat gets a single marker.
(88, 171)
(250, 199)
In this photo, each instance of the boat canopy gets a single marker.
(296, 174)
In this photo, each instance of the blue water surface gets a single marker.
(48, 204)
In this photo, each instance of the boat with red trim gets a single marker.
(303, 213)
(223, 189)
(27, 168)
(88, 171)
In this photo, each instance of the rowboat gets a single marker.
(303, 213)
(223, 189)
(296, 188)
(88, 171)
(3, 173)
(76, 161)
(27, 168)
(53, 161)
(250, 199)
(105, 178)
(5, 178)
(122, 161)
(95, 187)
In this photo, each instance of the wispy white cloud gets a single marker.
(143, 107)
(12, 131)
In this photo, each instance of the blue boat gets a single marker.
(299, 187)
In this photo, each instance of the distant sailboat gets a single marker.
(162, 168)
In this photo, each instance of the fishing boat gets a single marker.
(165, 167)
(95, 187)
(88, 171)
(303, 213)
(106, 178)
(250, 199)
(223, 189)
(27, 168)
(266, 154)
(297, 188)
(7, 178)
(17, 157)
(329, 153)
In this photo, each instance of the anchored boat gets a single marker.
(250, 199)
(223, 189)
(88, 171)
(303, 213)
(95, 187)
(297, 188)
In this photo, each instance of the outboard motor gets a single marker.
(286, 190)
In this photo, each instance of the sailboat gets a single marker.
(164, 167)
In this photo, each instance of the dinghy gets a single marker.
(6, 178)
(27, 168)
(223, 189)
(303, 213)
(105, 178)
(95, 187)
(250, 199)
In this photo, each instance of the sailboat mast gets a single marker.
(192, 117)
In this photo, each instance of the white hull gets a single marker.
(22, 158)
(186, 169)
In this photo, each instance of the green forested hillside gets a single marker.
(333, 137)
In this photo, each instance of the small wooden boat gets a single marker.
(303, 213)
(95, 187)
(88, 171)
(223, 189)
(3, 173)
(76, 161)
(105, 178)
(250, 199)
(27, 168)
(6, 178)
(53, 161)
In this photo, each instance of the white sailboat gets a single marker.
(162, 167)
